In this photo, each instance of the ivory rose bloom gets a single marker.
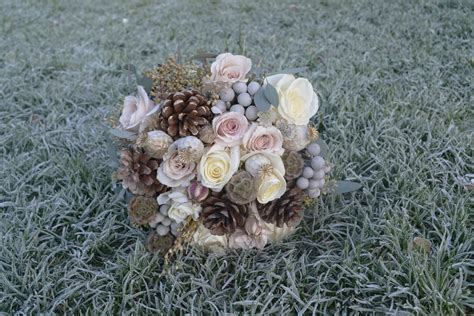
(179, 211)
(230, 68)
(297, 100)
(269, 170)
(135, 110)
(229, 128)
(263, 138)
(180, 205)
(218, 165)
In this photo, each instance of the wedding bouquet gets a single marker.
(217, 157)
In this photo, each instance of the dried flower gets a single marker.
(159, 244)
(156, 143)
(141, 209)
(295, 137)
(197, 192)
(294, 164)
(241, 189)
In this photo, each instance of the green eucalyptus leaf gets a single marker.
(112, 151)
(324, 147)
(261, 101)
(120, 133)
(146, 83)
(271, 94)
(346, 187)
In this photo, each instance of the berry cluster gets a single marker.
(312, 179)
(162, 223)
(239, 99)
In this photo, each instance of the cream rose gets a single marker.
(263, 138)
(297, 100)
(179, 211)
(230, 128)
(268, 168)
(230, 68)
(135, 110)
(218, 165)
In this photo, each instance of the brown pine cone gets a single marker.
(221, 216)
(183, 113)
(137, 172)
(286, 210)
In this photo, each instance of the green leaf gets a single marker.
(261, 101)
(422, 244)
(324, 147)
(295, 70)
(146, 82)
(120, 133)
(271, 94)
(113, 153)
(346, 187)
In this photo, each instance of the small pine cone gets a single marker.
(137, 172)
(286, 210)
(221, 216)
(141, 209)
(294, 164)
(184, 113)
(159, 244)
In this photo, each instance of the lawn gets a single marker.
(396, 79)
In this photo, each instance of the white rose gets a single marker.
(204, 238)
(179, 211)
(135, 111)
(230, 68)
(269, 171)
(218, 165)
(297, 100)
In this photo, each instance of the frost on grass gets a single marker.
(396, 106)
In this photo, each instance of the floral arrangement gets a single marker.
(216, 157)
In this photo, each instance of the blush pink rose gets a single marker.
(263, 138)
(230, 68)
(229, 128)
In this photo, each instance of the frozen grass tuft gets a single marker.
(397, 84)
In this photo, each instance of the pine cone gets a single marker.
(183, 113)
(221, 216)
(137, 172)
(286, 210)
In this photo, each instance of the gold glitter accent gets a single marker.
(185, 236)
(309, 202)
(185, 156)
(313, 133)
(266, 170)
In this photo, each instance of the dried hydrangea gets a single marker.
(142, 209)
(294, 164)
(241, 188)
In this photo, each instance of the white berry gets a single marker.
(313, 184)
(302, 183)
(253, 87)
(155, 220)
(251, 113)
(237, 108)
(244, 99)
(314, 193)
(162, 230)
(313, 149)
(166, 221)
(227, 94)
(327, 169)
(239, 87)
(318, 175)
(308, 172)
(317, 163)
(164, 209)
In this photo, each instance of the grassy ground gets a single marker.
(396, 79)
